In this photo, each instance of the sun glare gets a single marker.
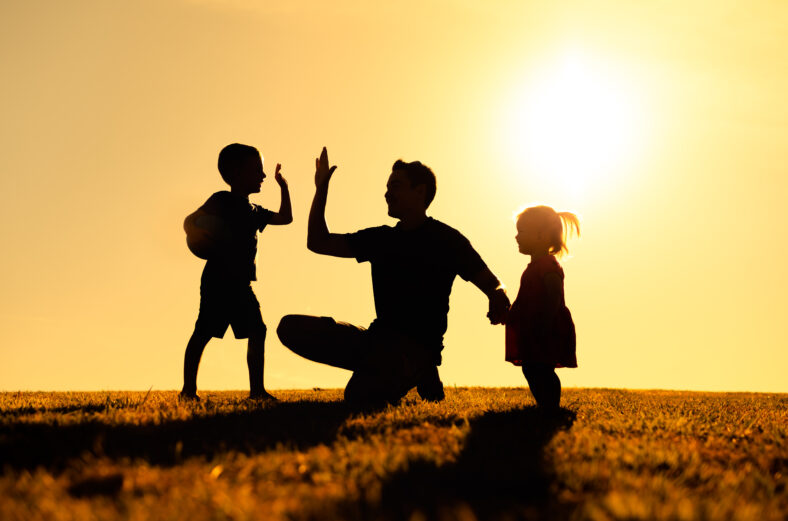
(576, 126)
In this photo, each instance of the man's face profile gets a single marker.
(403, 198)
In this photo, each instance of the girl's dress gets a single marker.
(529, 338)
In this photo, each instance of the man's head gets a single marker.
(410, 188)
(241, 167)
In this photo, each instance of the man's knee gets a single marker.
(288, 328)
(297, 332)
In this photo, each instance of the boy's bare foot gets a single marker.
(262, 396)
(188, 397)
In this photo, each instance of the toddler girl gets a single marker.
(540, 334)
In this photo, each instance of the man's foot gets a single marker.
(184, 396)
(367, 391)
(262, 396)
(430, 387)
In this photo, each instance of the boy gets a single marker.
(226, 296)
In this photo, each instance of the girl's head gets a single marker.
(542, 230)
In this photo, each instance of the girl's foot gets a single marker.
(188, 397)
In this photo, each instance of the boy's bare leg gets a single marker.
(255, 359)
(191, 363)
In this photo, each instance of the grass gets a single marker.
(481, 454)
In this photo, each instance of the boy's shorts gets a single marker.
(223, 305)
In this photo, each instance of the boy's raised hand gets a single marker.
(278, 176)
(322, 171)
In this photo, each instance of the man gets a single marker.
(413, 268)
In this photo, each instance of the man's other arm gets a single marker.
(489, 284)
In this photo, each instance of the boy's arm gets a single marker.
(486, 281)
(285, 213)
(319, 239)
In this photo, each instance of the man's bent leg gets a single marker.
(394, 365)
(324, 340)
(367, 390)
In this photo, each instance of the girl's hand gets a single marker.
(499, 307)
(278, 176)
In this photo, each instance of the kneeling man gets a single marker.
(413, 268)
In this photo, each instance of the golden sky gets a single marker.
(663, 125)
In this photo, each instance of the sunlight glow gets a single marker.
(577, 125)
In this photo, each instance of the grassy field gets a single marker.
(481, 454)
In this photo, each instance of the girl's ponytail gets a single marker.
(569, 222)
(558, 226)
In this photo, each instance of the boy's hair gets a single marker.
(419, 174)
(557, 225)
(232, 157)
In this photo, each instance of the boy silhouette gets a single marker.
(413, 268)
(226, 296)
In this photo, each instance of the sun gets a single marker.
(576, 125)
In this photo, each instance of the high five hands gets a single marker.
(322, 171)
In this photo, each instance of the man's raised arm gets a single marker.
(318, 238)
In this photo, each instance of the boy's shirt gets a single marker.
(236, 263)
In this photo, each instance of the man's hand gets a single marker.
(278, 176)
(322, 171)
(499, 307)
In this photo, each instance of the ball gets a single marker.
(207, 235)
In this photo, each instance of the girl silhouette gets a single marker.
(540, 334)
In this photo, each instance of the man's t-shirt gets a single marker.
(236, 262)
(412, 275)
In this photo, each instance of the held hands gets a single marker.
(322, 171)
(499, 307)
(278, 176)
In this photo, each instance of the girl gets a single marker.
(540, 334)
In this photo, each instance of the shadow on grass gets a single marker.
(298, 425)
(500, 474)
(67, 409)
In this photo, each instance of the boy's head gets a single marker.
(241, 167)
(410, 184)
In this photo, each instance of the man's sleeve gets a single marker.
(262, 216)
(365, 243)
(469, 262)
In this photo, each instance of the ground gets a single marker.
(483, 453)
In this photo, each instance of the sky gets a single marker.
(662, 125)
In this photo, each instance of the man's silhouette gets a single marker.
(413, 268)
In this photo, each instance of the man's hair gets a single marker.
(419, 174)
(232, 157)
